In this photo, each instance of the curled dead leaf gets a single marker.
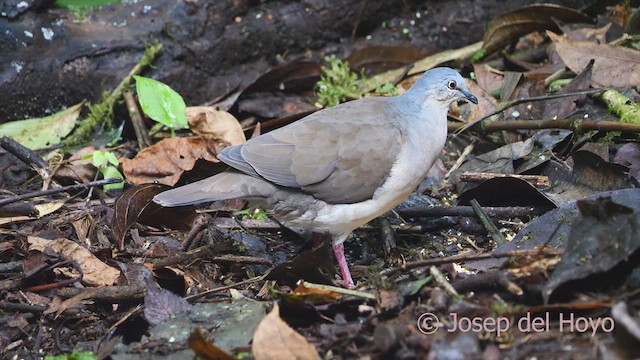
(168, 159)
(274, 339)
(207, 120)
(537, 17)
(136, 205)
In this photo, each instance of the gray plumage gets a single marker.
(340, 167)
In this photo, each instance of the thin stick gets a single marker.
(488, 224)
(470, 257)
(35, 194)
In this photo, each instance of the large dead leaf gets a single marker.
(207, 120)
(613, 66)
(274, 339)
(605, 236)
(95, 272)
(136, 205)
(165, 161)
(42, 132)
(510, 26)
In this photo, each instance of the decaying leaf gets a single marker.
(206, 120)
(78, 168)
(605, 236)
(510, 26)
(42, 132)
(613, 66)
(165, 161)
(274, 339)
(95, 272)
(136, 205)
(161, 304)
(204, 349)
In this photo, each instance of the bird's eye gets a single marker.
(451, 84)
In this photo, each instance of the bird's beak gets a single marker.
(469, 96)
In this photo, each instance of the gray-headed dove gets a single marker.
(340, 167)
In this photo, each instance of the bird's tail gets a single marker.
(224, 186)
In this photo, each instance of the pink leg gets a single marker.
(338, 250)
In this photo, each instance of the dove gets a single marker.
(340, 167)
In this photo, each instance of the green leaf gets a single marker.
(42, 132)
(98, 158)
(111, 158)
(111, 172)
(161, 103)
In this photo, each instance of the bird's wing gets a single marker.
(340, 155)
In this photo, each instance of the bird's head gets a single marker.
(444, 85)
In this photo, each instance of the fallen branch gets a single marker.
(577, 125)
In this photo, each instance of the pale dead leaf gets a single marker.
(274, 339)
(43, 209)
(165, 161)
(95, 272)
(614, 66)
(206, 120)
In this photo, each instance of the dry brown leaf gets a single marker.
(274, 339)
(165, 161)
(95, 272)
(614, 66)
(487, 78)
(207, 120)
(204, 349)
(486, 103)
(77, 168)
(135, 205)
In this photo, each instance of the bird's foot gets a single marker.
(347, 281)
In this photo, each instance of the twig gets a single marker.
(205, 252)
(340, 290)
(478, 177)
(30, 158)
(470, 257)
(35, 194)
(197, 231)
(577, 125)
(137, 121)
(226, 287)
(531, 99)
(488, 224)
(442, 281)
(461, 159)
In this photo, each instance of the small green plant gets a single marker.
(76, 355)
(161, 103)
(107, 164)
(339, 84)
(254, 214)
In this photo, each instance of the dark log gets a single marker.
(211, 47)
